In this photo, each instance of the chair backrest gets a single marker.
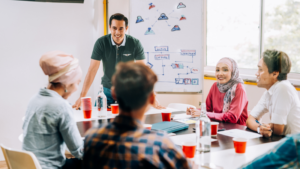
(180, 106)
(20, 159)
(6, 160)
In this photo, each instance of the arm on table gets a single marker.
(89, 78)
(251, 123)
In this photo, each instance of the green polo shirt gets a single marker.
(107, 51)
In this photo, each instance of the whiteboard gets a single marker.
(171, 32)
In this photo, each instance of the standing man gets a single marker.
(111, 49)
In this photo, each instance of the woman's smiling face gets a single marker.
(223, 73)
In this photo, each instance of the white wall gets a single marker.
(28, 30)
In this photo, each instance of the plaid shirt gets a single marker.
(126, 144)
(285, 155)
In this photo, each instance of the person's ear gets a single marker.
(126, 28)
(113, 93)
(152, 98)
(275, 74)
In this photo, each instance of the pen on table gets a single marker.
(261, 124)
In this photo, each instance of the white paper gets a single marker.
(157, 111)
(179, 139)
(181, 116)
(240, 133)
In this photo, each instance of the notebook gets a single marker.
(169, 127)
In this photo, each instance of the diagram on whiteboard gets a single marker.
(171, 40)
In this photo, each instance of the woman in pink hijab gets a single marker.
(49, 124)
(227, 100)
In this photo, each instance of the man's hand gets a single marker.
(89, 78)
(77, 104)
(157, 105)
(265, 130)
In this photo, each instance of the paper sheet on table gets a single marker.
(157, 111)
(181, 116)
(240, 133)
(186, 121)
(178, 140)
(184, 118)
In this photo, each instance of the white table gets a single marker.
(78, 114)
(228, 159)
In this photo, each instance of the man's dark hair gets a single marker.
(133, 83)
(277, 61)
(119, 17)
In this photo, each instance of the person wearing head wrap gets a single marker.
(227, 100)
(49, 124)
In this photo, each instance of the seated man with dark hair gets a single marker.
(281, 99)
(125, 143)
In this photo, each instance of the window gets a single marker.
(282, 28)
(233, 31)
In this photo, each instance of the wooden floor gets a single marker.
(3, 165)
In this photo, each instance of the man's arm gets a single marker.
(265, 129)
(89, 78)
(251, 123)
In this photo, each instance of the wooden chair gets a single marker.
(20, 159)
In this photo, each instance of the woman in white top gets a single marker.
(281, 99)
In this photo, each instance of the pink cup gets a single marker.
(87, 107)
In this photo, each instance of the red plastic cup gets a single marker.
(148, 126)
(214, 128)
(189, 149)
(114, 108)
(166, 116)
(240, 145)
(86, 107)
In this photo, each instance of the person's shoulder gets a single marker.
(214, 85)
(240, 87)
(132, 39)
(160, 139)
(103, 39)
(285, 86)
(96, 132)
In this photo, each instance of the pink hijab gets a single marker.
(230, 87)
(60, 67)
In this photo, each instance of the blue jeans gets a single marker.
(108, 95)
